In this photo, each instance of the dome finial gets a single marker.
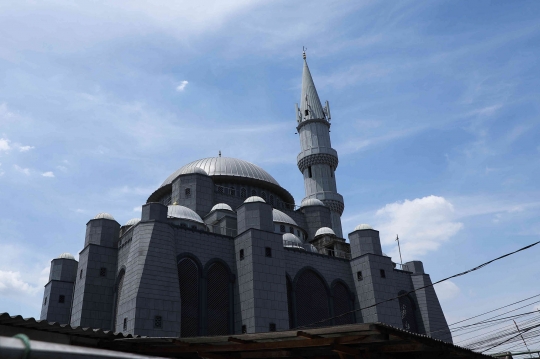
(304, 52)
(219, 153)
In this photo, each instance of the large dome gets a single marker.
(224, 166)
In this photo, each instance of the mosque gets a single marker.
(221, 248)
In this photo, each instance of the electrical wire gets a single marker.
(424, 287)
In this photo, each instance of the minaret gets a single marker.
(318, 160)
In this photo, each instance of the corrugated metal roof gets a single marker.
(19, 321)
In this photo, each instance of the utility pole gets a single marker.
(521, 335)
(400, 259)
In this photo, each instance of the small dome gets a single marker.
(254, 199)
(195, 170)
(104, 215)
(324, 231)
(281, 217)
(177, 211)
(362, 226)
(292, 241)
(66, 255)
(306, 202)
(224, 206)
(310, 248)
(132, 222)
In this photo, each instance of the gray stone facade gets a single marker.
(220, 248)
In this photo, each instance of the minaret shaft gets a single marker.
(318, 160)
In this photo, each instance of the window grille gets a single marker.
(263, 196)
(272, 199)
(157, 321)
(359, 275)
(282, 228)
(220, 189)
(244, 329)
(291, 229)
(218, 300)
(383, 273)
(125, 323)
(253, 192)
(408, 315)
(188, 276)
(312, 300)
(272, 327)
(45, 301)
(241, 254)
(342, 305)
(187, 192)
(233, 191)
(102, 272)
(119, 286)
(62, 298)
(243, 193)
(268, 251)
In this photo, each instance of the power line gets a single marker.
(494, 310)
(426, 286)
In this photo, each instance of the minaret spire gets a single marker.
(310, 104)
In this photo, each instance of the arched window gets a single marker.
(243, 193)
(342, 304)
(282, 228)
(218, 300)
(290, 305)
(311, 300)
(188, 276)
(253, 192)
(119, 286)
(187, 192)
(291, 230)
(263, 195)
(408, 315)
(272, 199)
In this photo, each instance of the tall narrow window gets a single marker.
(61, 298)
(342, 305)
(187, 193)
(119, 286)
(263, 195)
(309, 172)
(45, 301)
(253, 192)
(272, 199)
(312, 300)
(158, 321)
(80, 274)
(188, 276)
(243, 193)
(218, 300)
(241, 254)
(383, 273)
(291, 230)
(408, 312)
(282, 228)
(290, 306)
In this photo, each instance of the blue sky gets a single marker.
(435, 118)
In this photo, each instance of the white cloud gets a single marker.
(137, 209)
(422, 224)
(25, 148)
(62, 168)
(447, 290)
(26, 171)
(182, 86)
(11, 284)
(4, 144)
(47, 174)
